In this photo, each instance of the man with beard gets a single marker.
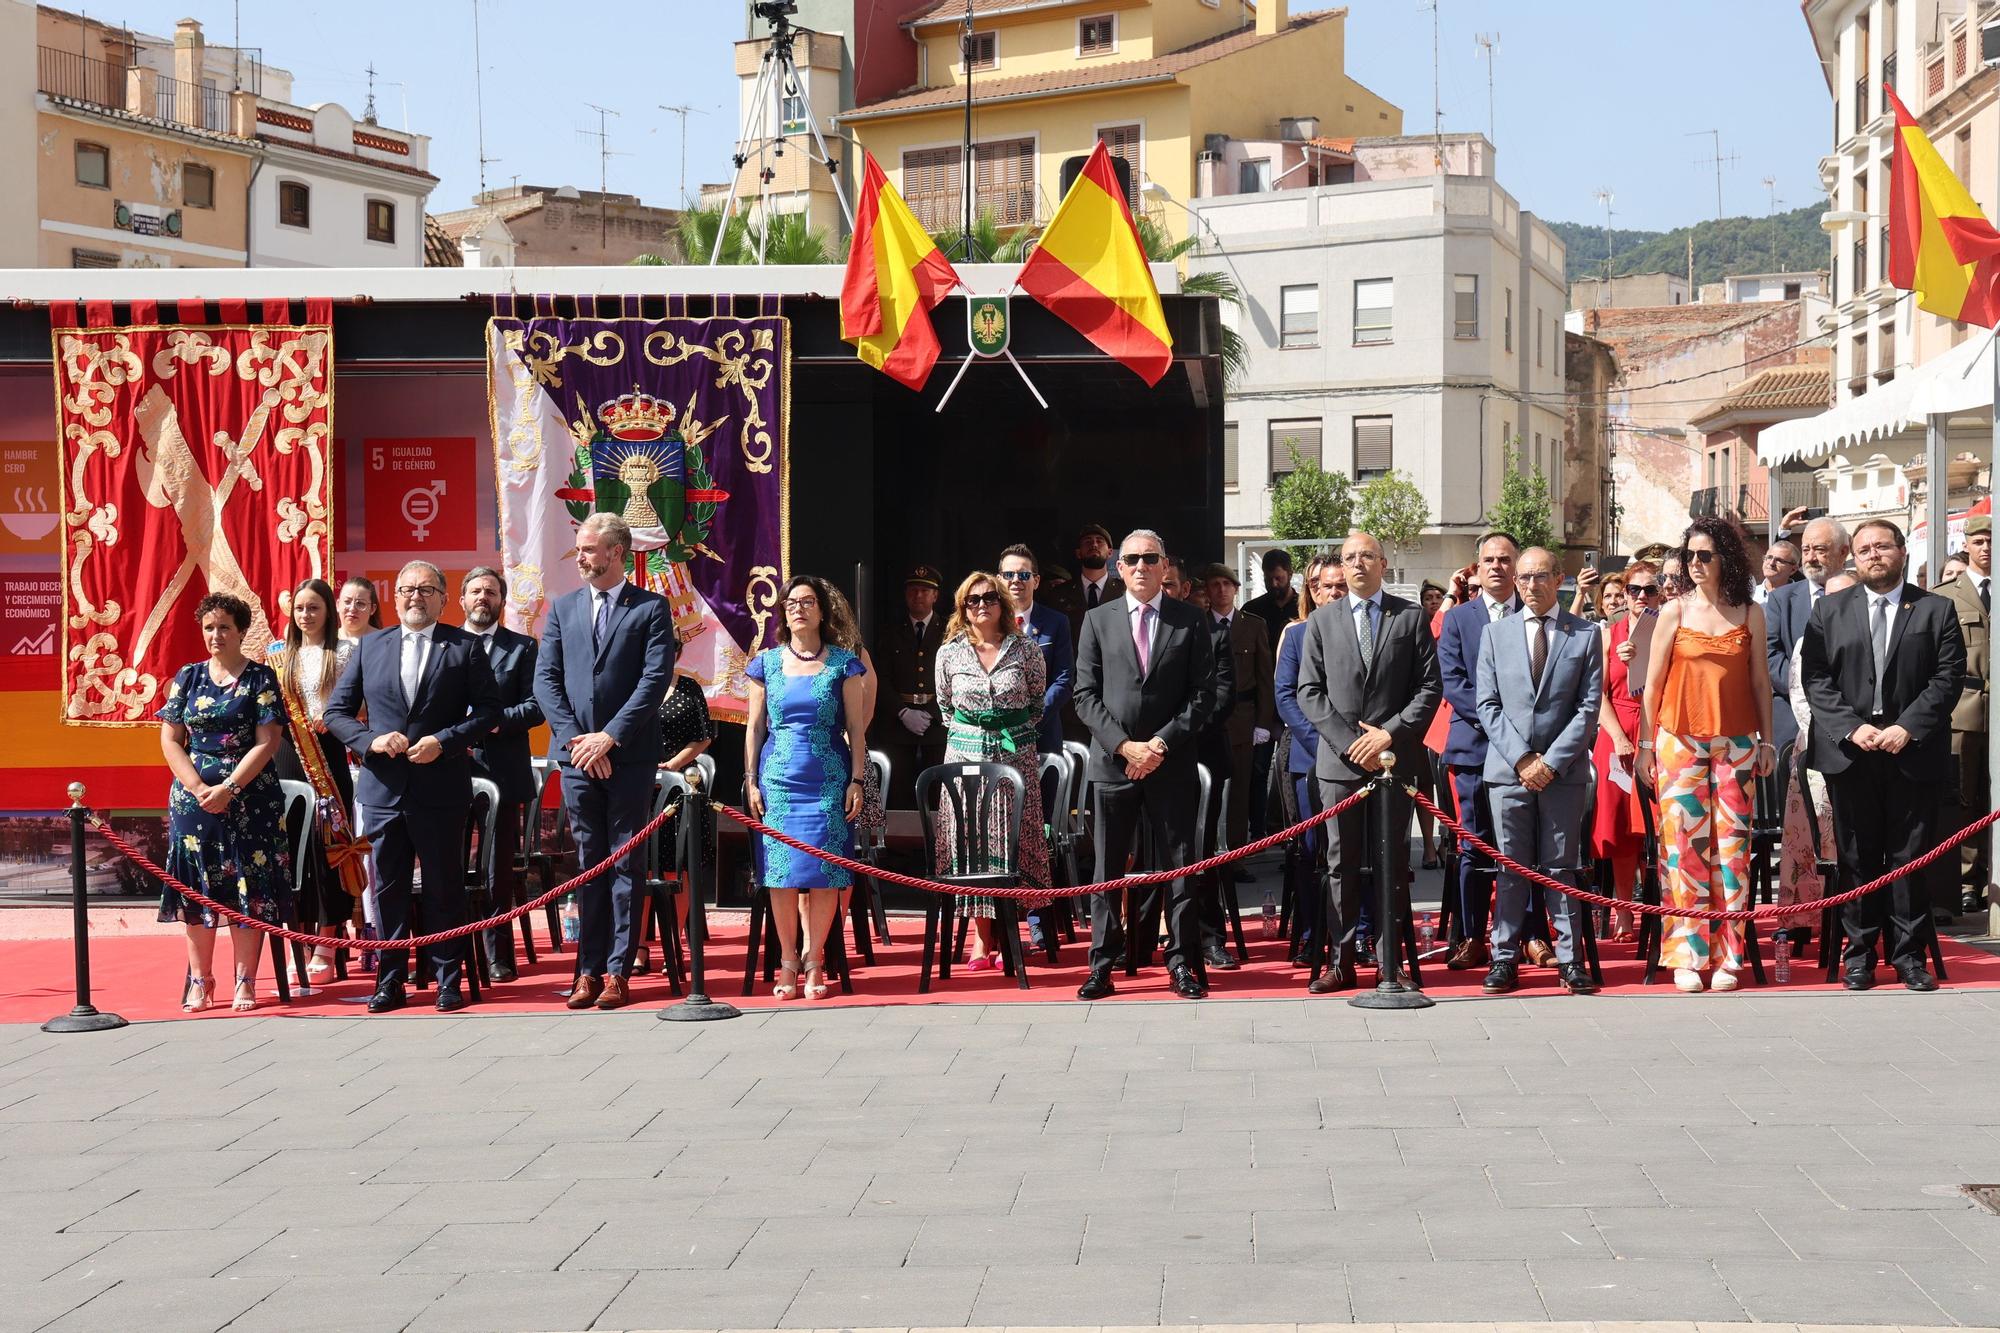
(1823, 553)
(1095, 584)
(502, 755)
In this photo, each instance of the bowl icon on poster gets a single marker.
(31, 517)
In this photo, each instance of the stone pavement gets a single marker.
(1718, 1159)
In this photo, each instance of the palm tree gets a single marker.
(1162, 248)
(989, 246)
(791, 239)
(698, 227)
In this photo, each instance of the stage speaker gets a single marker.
(1072, 167)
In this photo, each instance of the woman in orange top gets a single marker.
(1707, 719)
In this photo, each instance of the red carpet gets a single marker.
(140, 977)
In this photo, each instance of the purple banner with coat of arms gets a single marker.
(679, 425)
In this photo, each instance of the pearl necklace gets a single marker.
(805, 657)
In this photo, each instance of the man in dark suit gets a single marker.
(429, 696)
(1823, 553)
(1145, 684)
(907, 726)
(502, 755)
(1096, 582)
(1971, 596)
(1465, 744)
(1368, 682)
(1020, 574)
(1882, 664)
(606, 661)
(1276, 605)
(1245, 715)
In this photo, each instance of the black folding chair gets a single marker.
(982, 805)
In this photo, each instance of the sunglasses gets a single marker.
(1702, 557)
(1018, 575)
(1141, 558)
(1642, 590)
(974, 599)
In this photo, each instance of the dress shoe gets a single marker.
(1575, 978)
(1916, 977)
(504, 973)
(1501, 979)
(1858, 975)
(1332, 979)
(1218, 956)
(1974, 901)
(450, 999)
(616, 995)
(1539, 953)
(1097, 985)
(1185, 983)
(1942, 918)
(586, 991)
(1468, 956)
(388, 998)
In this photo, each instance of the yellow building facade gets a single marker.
(1151, 78)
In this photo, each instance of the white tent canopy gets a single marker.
(1959, 381)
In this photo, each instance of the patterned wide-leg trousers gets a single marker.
(1705, 799)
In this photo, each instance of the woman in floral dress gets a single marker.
(990, 681)
(219, 730)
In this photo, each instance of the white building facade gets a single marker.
(1405, 319)
(334, 192)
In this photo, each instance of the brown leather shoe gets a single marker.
(615, 996)
(588, 988)
(1469, 956)
(1539, 953)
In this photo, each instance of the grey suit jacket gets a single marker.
(1399, 690)
(1558, 720)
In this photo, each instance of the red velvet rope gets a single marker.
(1775, 911)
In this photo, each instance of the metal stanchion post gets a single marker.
(697, 844)
(85, 1016)
(1391, 991)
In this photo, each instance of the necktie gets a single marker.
(1223, 624)
(1880, 635)
(1364, 630)
(1986, 594)
(413, 664)
(1142, 639)
(1538, 648)
(1090, 594)
(598, 616)
(1495, 610)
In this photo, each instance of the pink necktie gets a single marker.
(1142, 639)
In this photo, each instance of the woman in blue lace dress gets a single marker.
(806, 765)
(219, 730)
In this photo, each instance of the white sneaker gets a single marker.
(1687, 979)
(1723, 981)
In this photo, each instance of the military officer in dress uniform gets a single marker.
(907, 727)
(1244, 718)
(1972, 598)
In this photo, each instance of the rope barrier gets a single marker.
(1775, 912)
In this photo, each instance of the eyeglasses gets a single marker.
(1642, 590)
(1018, 575)
(425, 590)
(801, 603)
(1702, 557)
(978, 599)
(1138, 558)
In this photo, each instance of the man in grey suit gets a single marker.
(1541, 678)
(1368, 682)
(1823, 553)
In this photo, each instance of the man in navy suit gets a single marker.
(1823, 553)
(502, 754)
(1021, 576)
(606, 660)
(430, 696)
(1465, 745)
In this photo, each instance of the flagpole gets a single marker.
(1992, 734)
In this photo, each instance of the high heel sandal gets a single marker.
(198, 994)
(246, 993)
(815, 990)
(788, 980)
(319, 968)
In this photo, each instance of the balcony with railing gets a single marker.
(133, 90)
(1862, 112)
(1778, 494)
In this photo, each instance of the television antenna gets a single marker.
(1604, 198)
(1489, 47)
(684, 112)
(1437, 94)
(478, 101)
(1716, 160)
(604, 154)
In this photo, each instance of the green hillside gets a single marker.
(1783, 243)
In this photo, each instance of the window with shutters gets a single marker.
(1097, 36)
(381, 220)
(1374, 446)
(1507, 324)
(1374, 310)
(1229, 461)
(1298, 316)
(1004, 180)
(198, 186)
(1293, 442)
(1465, 305)
(984, 49)
(294, 204)
(92, 259)
(1125, 143)
(931, 181)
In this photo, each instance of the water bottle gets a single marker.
(1427, 929)
(1270, 913)
(1783, 967)
(368, 932)
(572, 924)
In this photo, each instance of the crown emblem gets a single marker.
(636, 416)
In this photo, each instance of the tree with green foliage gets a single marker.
(698, 227)
(1393, 511)
(1162, 248)
(1311, 503)
(1524, 510)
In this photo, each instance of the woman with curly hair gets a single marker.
(1705, 729)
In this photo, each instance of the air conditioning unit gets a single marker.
(1215, 143)
(1298, 129)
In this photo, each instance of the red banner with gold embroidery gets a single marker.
(194, 460)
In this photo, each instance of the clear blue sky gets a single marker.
(1589, 93)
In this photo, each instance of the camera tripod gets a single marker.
(779, 69)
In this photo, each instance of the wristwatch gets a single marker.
(1156, 745)
(230, 784)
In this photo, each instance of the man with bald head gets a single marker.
(1368, 683)
(1822, 554)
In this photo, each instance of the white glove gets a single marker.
(1260, 736)
(915, 720)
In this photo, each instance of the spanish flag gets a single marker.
(1940, 245)
(895, 276)
(1090, 269)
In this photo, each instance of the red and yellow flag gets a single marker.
(895, 276)
(1940, 245)
(1090, 269)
